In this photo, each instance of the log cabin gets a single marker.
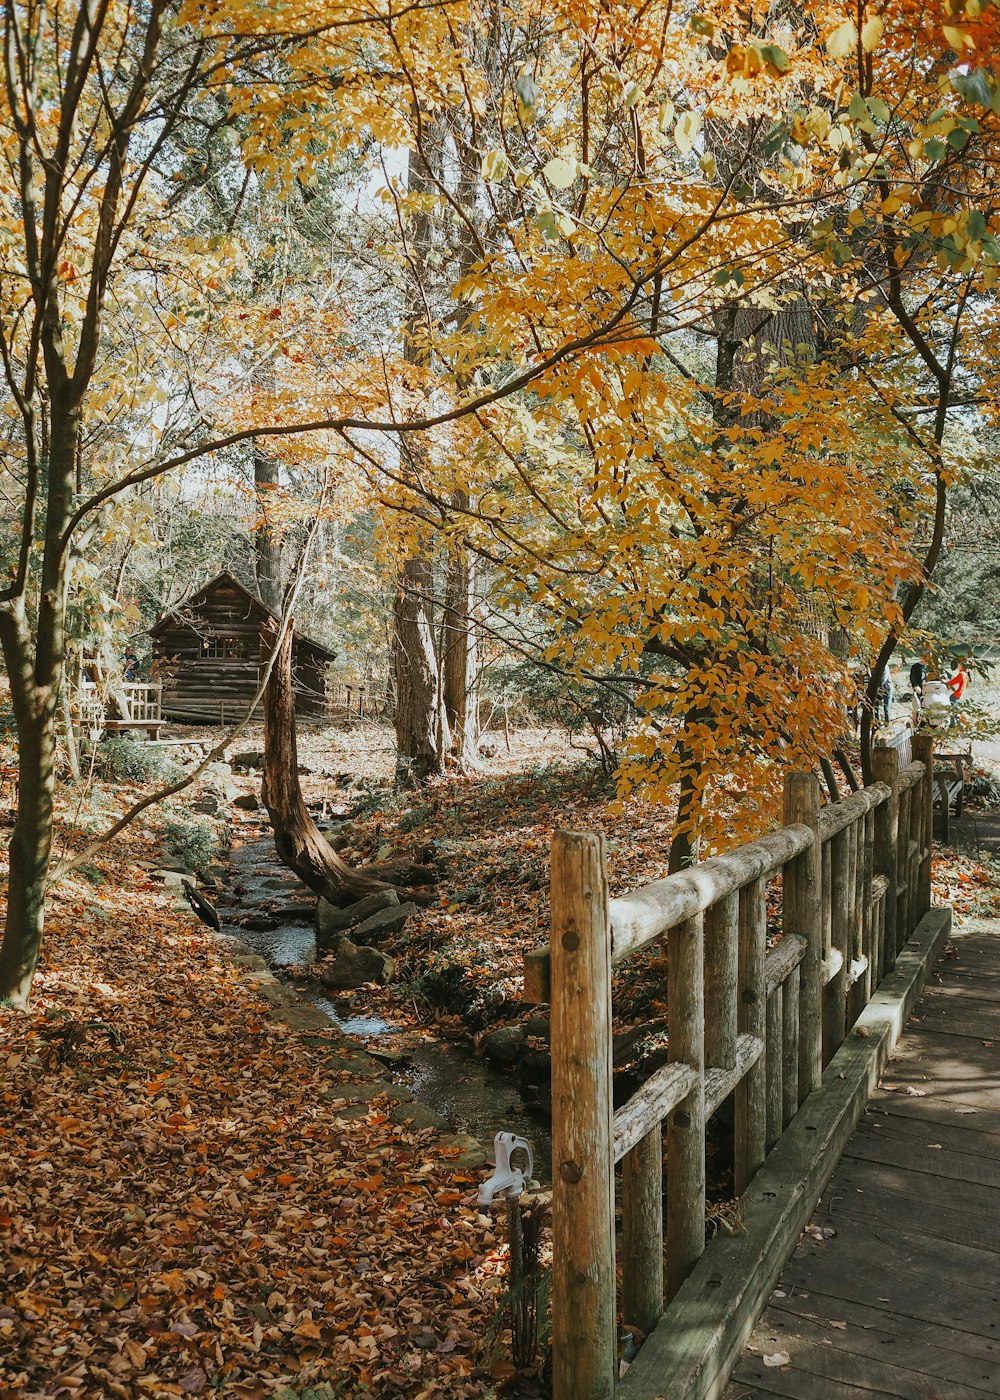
(210, 651)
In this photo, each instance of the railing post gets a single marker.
(584, 1359)
(686, 1125)
(803, 916)
(923, 752)
(835, 995)
(885, 769)
(751, 1094)
(642, 1232)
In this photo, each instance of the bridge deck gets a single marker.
(894, 1289)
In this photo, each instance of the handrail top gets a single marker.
(645, 914)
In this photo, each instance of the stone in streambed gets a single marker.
(353, 966)
(505, 1046)
(247, 802)
(389, 920)
(330, 921)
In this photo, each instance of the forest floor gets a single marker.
(181, 1210)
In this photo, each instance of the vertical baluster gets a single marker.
(584, 1353)
(885, 769)
(642, 1232)
(721, 974)
(686, 1125)
(774, 1057)
(802, 888)
(835, 996)
(923, 751)
(791, 1036)
(751, 1094)
(869, 937)
(903, 863)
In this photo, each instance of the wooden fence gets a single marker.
(744, 1020)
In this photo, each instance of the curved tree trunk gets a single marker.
(297, 839)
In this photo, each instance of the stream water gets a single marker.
(446, 1075)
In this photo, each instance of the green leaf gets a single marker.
(957, 139)
(973, 87)
(775, 58)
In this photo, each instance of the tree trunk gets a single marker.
(460, 658)
(422, 732)
(297, 839)
(35, 712)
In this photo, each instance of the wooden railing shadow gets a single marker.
(744, 1020)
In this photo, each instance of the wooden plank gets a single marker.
(910, 1189)
(962, 1132)
(583, 1192)
(914, 1285)
(935, 1162)
(864, 1318)
(819, 1354)
(703, 1330)
(911, 1252)
(888, 1196)
(937, 1109)
(978, 1021)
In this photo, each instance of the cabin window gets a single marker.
(224, 648)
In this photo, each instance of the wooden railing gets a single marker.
(133, 704)
(744, 1019)
(143, 701)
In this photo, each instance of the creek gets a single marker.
(272, 913)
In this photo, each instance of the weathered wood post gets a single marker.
(802, 916)
(686, 1124)
(835, 996)
(642, 1232)
(583, 1203)
(923, 752)
(885, 769)
(751, 1093)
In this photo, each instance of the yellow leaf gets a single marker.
(687, 128)
(560, 172)
(957, 38)
(871, 33)
(843, 40)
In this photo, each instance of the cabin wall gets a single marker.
(200, 685)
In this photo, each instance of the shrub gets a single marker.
(124, 759)
(191, 843)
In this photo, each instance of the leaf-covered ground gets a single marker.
(181, 1212)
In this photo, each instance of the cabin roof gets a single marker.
(180, 613)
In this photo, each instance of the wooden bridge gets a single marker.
(795, 1028)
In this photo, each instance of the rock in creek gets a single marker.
(389, 920)
(330, 920)
(353, 966)
(244, 762)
